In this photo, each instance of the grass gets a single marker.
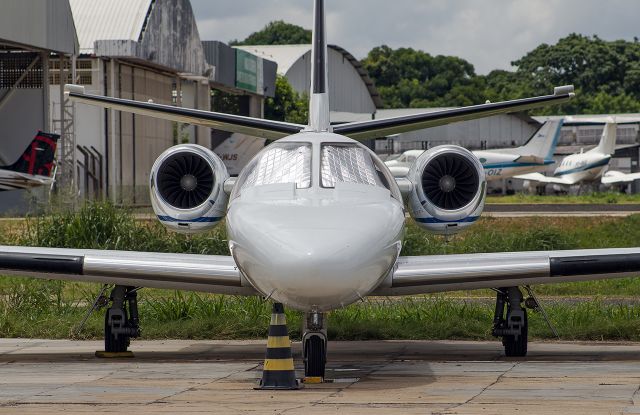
(53, 309)
(591, 198)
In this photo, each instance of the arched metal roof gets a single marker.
(286, 56)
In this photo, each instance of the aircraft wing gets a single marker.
(206, 273)
(615, 177)
(429, 274)
(541, 178)
(257, 127)
(384, 127)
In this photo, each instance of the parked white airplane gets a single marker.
(534, 155)
(589, 166)
(34, 167)
(316, 221)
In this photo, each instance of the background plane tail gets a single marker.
(608, 139)
(542, 144)
(38, 158)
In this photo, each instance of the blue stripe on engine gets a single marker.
(204, 219)
(468, 219)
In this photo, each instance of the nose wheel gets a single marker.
(314, 347)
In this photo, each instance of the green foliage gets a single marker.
(277, 33)
(52, 309)
(407, 77)
(606, 75)
(287, 105)
(100, 225)
(225, 102)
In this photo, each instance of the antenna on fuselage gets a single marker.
(319, 96)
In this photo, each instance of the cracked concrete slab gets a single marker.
(403, 377)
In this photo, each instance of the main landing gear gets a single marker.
(512, 327)
(121, 322)
(314, 346)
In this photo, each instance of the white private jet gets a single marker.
(316, 221)
(503, 163)
(35, 166)
(588, 166)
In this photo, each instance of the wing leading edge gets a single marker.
(205, 273)
(430, 274)
(257, 127)
(383, 127)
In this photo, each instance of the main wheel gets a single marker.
(315, 357)
(517, 347)
(114, 344)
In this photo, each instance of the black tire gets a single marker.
(517, 347)
(113, 344)
(315, 358)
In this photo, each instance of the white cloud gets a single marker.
(490, 33)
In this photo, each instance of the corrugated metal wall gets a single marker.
(347, 92)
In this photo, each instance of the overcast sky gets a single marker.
(488, 33)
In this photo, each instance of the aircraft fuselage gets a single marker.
(315, 221)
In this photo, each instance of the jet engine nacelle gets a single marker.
(187, 188)
(449, 189)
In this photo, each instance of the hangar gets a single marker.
(136, 49)
(32, 35)
(351, 92)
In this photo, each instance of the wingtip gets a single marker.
(72, 88)
(564, 90)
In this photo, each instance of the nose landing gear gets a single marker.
(512, 327)
(314, 347)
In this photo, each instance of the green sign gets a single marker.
(248, 72)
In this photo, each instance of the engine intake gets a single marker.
(450, 181)
(449, 189)
(185, 180)
(187, 188)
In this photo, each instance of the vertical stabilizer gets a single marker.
(542, 144)
(319, 97)
(608, 140)
(38, 157)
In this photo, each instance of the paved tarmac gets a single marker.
(393, 377)
(515, 210)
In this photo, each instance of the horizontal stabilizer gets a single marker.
(541, 178)
(530, 159)
(257, 127)
(364, 130)
(617, 177)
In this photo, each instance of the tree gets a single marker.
(287, 104)
(277, 33)
(407, 77)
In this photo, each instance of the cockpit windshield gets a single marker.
(348, 164)
(280, 163)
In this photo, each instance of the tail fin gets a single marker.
(319, 97)
(38, 158)
(608, 140)
(542, 144)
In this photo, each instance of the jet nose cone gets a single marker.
(315, 258)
